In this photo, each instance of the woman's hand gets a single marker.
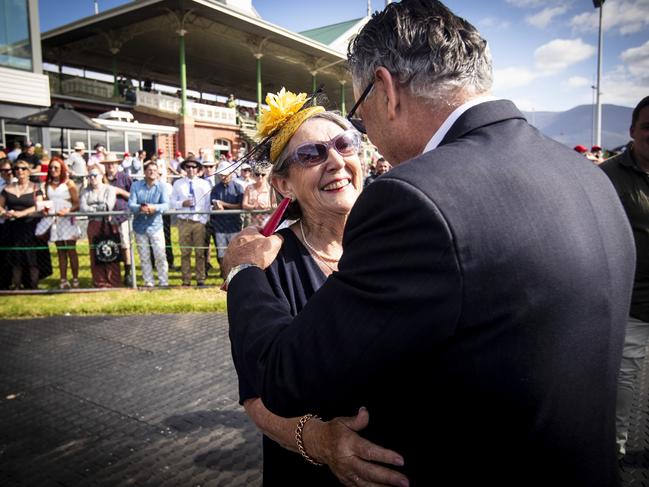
(350, 457)
(63, 212)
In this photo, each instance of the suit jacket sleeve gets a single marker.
(399, 262)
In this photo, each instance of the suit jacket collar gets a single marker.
(481, 115)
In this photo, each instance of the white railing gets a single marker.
(198, 111)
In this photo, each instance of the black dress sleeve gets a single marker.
(293, 278)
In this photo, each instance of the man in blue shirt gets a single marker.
(226, 195)
(149, 198)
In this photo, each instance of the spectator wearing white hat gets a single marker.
(77, 164)
(209, 172)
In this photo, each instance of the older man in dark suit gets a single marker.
(497, 280)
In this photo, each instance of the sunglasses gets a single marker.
(357, 123)
(22, 168)
(191, 167)
(311, 154)
(5, 170)
(93, 175)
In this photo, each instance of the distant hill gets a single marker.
(575, 126)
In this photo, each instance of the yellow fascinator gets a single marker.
(283, 117)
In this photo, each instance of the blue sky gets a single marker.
(544, 51)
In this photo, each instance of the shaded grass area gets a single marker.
(117, 302)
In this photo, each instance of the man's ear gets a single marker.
(388, 89)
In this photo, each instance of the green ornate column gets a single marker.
(183, 72)
(258, 56)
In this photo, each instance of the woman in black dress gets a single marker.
(29, 257)
(315, 163)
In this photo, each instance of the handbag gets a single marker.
(107, 244)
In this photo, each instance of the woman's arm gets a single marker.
(245, 203)
(335, 443)
(83, 202)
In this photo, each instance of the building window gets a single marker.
(116, 142)
(15, 43)
(221, 146)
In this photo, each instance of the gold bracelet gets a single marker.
(298, 437)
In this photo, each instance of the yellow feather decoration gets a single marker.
(281, 107)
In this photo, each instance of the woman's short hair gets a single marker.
(425, 46)
(280, 168)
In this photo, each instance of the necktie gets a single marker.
(192, 194)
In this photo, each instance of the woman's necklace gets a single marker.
(22, 188)
(314, 251)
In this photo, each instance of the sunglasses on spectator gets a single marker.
(356, 122)
(311, 154)
(191, 167)
(93, 175)
(22, 168)
(5, 170)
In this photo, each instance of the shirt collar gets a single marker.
(452, 118)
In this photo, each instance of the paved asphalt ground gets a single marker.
(147, 401)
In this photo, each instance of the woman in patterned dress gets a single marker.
(64, 231)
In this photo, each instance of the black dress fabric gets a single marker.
(19, 234)
(294, 277)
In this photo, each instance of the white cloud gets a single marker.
(494, 22)
(637, 60)
(621, 87)
(543, 18)
(577, 82)
(526, 3)
(627, 16)
(558, 54)
(507, 78)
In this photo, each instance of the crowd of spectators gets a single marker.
(141, 188)
(38, 194)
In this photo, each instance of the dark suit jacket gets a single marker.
(494, 274)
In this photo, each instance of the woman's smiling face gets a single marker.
(329, 187)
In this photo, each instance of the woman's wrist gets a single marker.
(305, 438)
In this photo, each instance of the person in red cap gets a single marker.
(581, 149)
(174, 165)
(163, 164)
(598, 155)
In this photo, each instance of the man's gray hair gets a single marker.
(426, 47)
